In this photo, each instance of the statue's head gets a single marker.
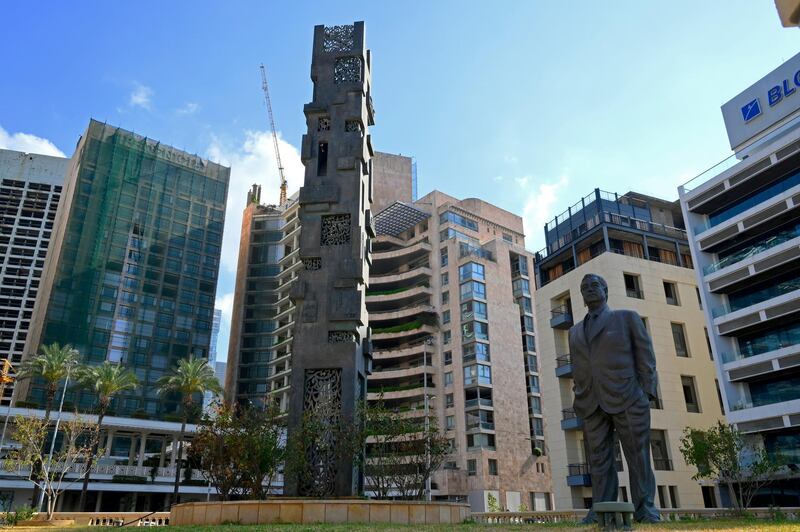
(594, 289)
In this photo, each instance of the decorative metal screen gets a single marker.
(335, 229)
(347, 69)
(312, 263)
(322, 403)
(338, 38)
(323, 123)
(340, 337)
(352, 125)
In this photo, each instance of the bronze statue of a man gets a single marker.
(614, 370)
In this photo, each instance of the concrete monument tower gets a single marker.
(331, 350)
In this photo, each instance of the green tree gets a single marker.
(401, 452)
(240, 450)
(723, 454)
(105, 380)
(79, 438)
(190, 377)
(53, 363)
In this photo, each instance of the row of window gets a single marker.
(633, 288)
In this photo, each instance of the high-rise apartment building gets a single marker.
(132, 269)
(743, 220)
(30, 188)
(638, 245)
(450, 310)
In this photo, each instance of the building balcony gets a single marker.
(407, 332)
(410, 311)
(578, 475)
(570, 420)
(400, 373)
(759, 314)
(382, 300)
(413, 276)
(470, 404)
(564, 366)
(402, 391)
(388, 261)
(561, 317)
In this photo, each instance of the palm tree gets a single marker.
(53, 364)
(190, 377)
(106, 380)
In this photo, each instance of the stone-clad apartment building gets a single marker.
(638, 245)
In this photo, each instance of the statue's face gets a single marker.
(593, 290)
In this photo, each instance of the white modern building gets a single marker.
(743, 221)
(30, 187)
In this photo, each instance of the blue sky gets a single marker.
(528, 105)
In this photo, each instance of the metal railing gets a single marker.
(569, 413)
(563, 360)
(578, 469)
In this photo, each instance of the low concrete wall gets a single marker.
(113, 518)
(318, 511)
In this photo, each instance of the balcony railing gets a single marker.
(105, 469)
(471, 403)
(758, 247)
(662, 464)
(759, 296)
(561, 317)
(578, 475)
(615, 219)
(563, 360)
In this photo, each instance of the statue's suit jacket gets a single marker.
(614, 365)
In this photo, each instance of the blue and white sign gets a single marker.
(767, 102)
(751, 110)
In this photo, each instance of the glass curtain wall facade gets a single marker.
(134, 271)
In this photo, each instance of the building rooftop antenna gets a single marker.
(265, 87)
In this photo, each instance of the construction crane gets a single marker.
(265, 86)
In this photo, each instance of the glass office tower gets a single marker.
(132, 272)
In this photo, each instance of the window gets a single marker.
(445, 297)
(699, 300)
(458, 219)
(655, 403)
(448, 357)
(521, 287)
(450, 422)
(536, 405)
(527, 323)
(443, 254)
(477, 374)
(708, 344)
(474, 330)
(679, 337)
(449, 401)
(709, 496)
(472, 469)
(538, 426)
(446, 317)
(445, 279)
(690, 394)
(508, 238)
(473, 309)
(658, 446)
(475, 351)
(446, 335)
(633, 286)
(719, 397)
(673, 495)
(473, 290)
(322, 159)
(662, 497)
(525, 305)
(471, 270)
(671, 293)
(448, 378)
(492, 466)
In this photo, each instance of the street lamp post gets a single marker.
(55, 435)
(428, 341)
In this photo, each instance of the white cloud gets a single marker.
(497, 178)
(28, 143)
(252, 162)
(188, 109)
(523, 181)
(538, 209)
(141, 96)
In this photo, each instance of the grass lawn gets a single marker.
(721, 525)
